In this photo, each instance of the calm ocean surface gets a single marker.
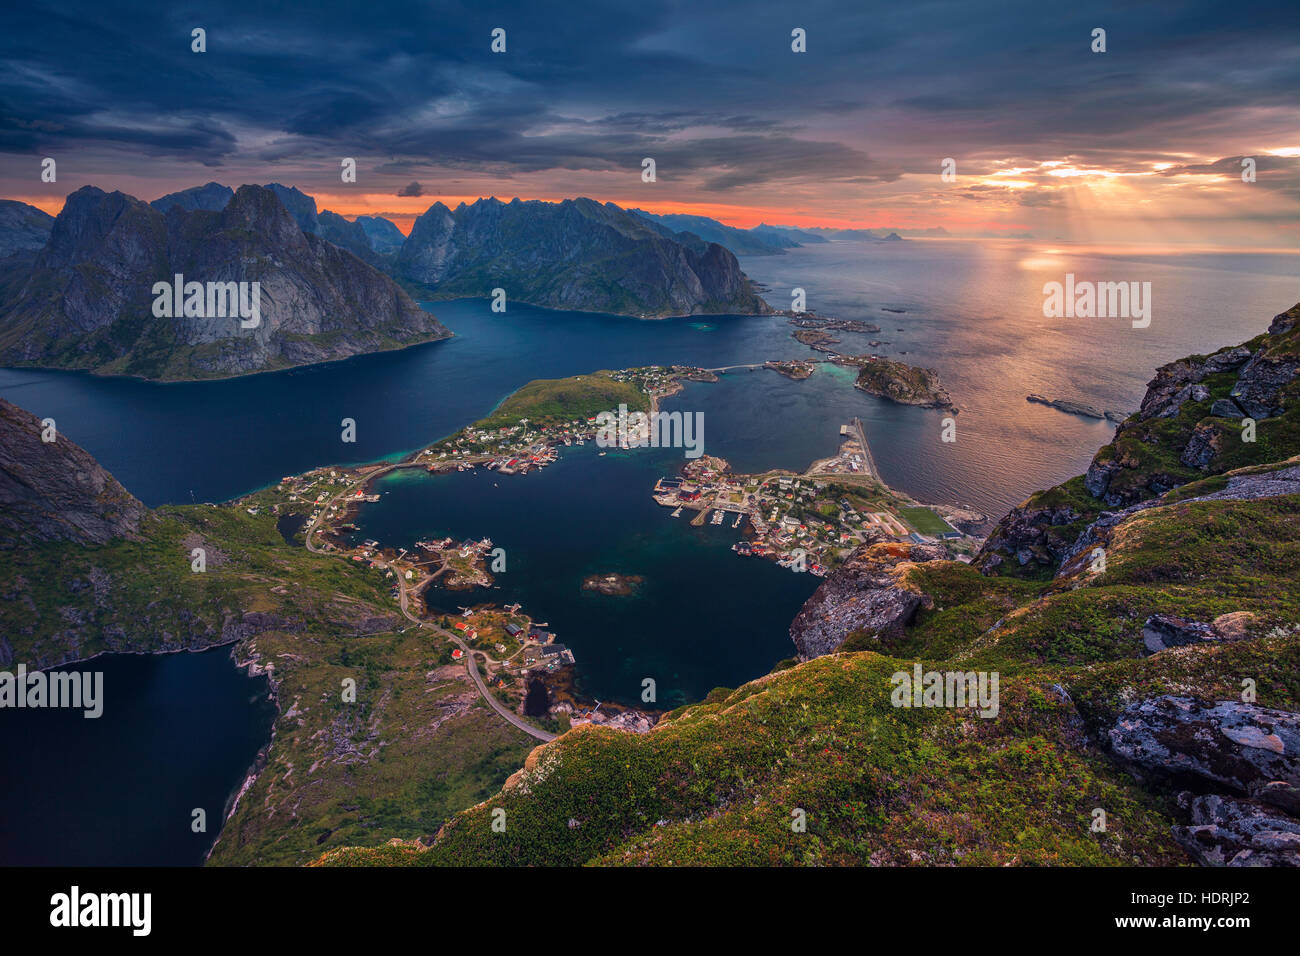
(705, 617)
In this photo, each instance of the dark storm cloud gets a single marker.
(411, 189)
(710, 89)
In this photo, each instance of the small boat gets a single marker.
(601, 455)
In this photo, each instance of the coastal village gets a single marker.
(808, 523)
(811, 522)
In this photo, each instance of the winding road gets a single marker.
(403, 599)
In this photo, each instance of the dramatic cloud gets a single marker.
(711, 90)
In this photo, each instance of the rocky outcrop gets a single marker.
(1073, 408)
(870, 592)
(1030, 536)
(1265, 373)
(576, 254)
(1259, 388)
(55, 491)
(903, 383)
(1228, 832)
(1227, 745)
(1163, 631)
(1252, 752)
(88, 302)
(1165, 446)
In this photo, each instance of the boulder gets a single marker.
(1229, 832)
(1226, 408)
(869, 592)
(1259, 387)
(1162, 631)
(1202, 446)
(1229, 744)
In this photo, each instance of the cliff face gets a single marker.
(55, 491)
(88, 300)
(576, 254)
(870, 592)
(23, 228)
(1191, 425)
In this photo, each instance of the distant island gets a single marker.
(902, 383)
(792, 369)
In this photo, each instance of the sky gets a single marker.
(1142, 143)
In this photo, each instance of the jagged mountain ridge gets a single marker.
(87, 300)
(577, 254)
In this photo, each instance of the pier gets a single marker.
(866, 448)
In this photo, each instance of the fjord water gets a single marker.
(702, 617)
(971, 310)
(178, 732)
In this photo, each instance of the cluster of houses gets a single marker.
(794, 520)
(540, 646)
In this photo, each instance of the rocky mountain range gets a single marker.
(88, 300)
(76, 291)
(577, 254)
